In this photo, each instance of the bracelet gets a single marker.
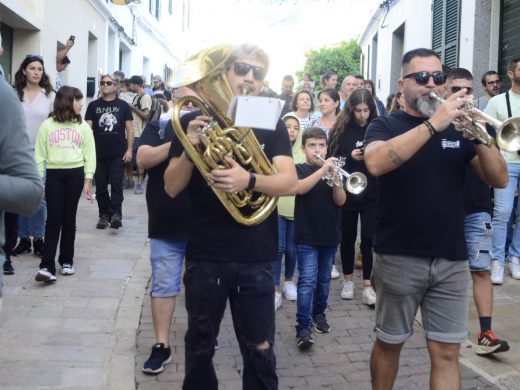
(188, 157)
(252, 182)
(430, 127)
(476, 141)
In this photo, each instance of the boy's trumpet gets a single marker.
(355, 183)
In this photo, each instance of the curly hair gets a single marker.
(64, 105)
(20, 81)
(358, 96)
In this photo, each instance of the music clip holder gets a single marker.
(257, 112)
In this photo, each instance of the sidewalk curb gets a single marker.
(120, 362)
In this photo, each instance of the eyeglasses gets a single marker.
(456, 89)
(35, 56)
(109, 83)
(422, 78)
(241, 69)
(494, 82)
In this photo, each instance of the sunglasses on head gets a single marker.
(109, 83)
(422, 78)
(456, 89)
(241, 69)
(36, 57)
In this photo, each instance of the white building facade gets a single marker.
(478, 35)
(133, 37)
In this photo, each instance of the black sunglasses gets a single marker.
(35, 56)
(422, 78)
(241, 69)
(455, 89)
(109, 83)
(493, 82)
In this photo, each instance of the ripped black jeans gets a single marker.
(250, 289)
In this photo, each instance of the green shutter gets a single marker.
(445, 30)
(510, 38)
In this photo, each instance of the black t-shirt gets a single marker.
(420, 209)
(352, 138)
(287, 105)
(213, 234)
(317, 218)
(477, 195)
(108, 124)
(166, 216)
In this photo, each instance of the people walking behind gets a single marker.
(369, 85)
(167, 230)
(302, 107)
(349, 84)
(347, 140)
(501, 107)
(226, 260)
(420, 257)
(329, 80)
(140, 106)
(478, 233)
(65, 147)
(111, 121)
(329, 108)
(32, 84)
(287, 94)
(491, 84)
(317, 217)
(286, 247)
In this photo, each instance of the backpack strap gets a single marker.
(509, 112)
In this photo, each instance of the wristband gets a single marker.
(252, 181)
(476, 141)
(430, 127)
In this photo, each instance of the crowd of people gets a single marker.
(436, 202)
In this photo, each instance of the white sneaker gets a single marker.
(347, 290)
(277, 300)
(67, 269)
(44, 275)
(514, 267)
(334, 273)
(289, 290)
(497, 272)
(369, 296)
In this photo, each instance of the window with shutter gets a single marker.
(510, 38)
(445, 30)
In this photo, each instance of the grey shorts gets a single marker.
(405, 283)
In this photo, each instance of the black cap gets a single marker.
(136, 80)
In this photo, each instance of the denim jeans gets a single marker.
(250, 290)
(285, 247)
(166, 257)
(504, 198)
(478, 233)
(33, 226)
(314, 266)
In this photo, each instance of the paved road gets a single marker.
(93, 330)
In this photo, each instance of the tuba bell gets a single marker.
(205, 74)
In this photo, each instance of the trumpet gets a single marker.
(355, 183)
(508, 131)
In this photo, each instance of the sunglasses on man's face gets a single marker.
(456, 89)
(493, 82)
(109, 83)
(241, 69)
(422, 78)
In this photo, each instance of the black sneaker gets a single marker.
(115, 222)
(305, 340)
(102, 222)
(320, 323)
(38, 246)
(159, 357)
(23, 247)
(8, 268)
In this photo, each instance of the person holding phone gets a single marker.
(62, 60)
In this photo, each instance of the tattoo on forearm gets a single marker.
(396, 159)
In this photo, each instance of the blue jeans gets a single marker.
(504, 198)
(285, 247)
(314, 266)
(33, 226)
(478, 233)
(166, 257)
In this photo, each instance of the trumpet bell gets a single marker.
(508, 135)
(356, 183)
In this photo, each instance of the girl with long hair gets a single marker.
(346, 139)
(65, 147)
(36, 94)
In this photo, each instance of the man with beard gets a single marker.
(491, 84)
(501, 107)
(420, 257)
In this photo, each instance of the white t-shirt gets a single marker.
(36, 112)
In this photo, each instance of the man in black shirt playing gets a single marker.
(420, 257)
(111, 121)
(225, 259)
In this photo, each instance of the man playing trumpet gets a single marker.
(420, 258)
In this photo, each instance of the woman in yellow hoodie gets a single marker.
(65, 153)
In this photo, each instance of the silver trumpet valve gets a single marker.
(355, 183)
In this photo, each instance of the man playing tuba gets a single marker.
(226, 259)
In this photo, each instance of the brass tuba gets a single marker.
(205, 74)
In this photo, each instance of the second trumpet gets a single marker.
(355, 183)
